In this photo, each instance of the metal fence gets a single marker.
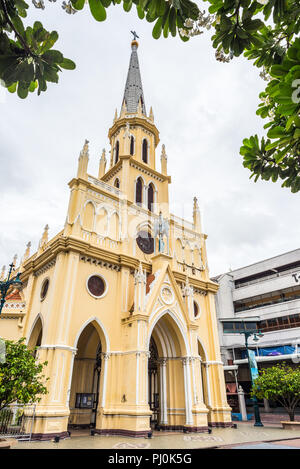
(16, 421)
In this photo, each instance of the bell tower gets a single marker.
(133, 139)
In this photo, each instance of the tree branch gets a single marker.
(18, 35)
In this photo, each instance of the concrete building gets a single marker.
(269, 293)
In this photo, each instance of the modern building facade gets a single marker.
(120, 303)
(269, 293)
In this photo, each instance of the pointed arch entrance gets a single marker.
(205, 388)
(169, 387)
(36, 334)
(87, 385)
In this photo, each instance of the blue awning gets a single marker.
(271, 351)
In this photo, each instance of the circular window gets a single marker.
(96, 286)
(44, 289)
(145, 242)
(196, 309)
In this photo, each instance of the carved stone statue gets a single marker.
(126, 137)
(161, 229)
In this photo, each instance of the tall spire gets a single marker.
(133, 93)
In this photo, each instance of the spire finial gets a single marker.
(163, 160)
(44, 238)
(151, 115)
(196, 216)
(134, 42)
(135, 36)
(85, 149)
(27, 252)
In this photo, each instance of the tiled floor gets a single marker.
(244, 434)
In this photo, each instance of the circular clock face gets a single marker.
(96, 286)
(145, 242)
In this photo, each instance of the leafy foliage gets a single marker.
(279, 155)
(281, 383)
(28, 61)
(21, 378)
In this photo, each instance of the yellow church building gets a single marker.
(120, 303)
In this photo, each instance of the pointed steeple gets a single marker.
(44, 239)
(133, 93)
(196, 216)
(163, 159)
(151, 115)
(83, 161)
(102, 164)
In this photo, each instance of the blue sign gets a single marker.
(253, 365)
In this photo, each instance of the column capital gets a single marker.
(186, 360)
(163, 361)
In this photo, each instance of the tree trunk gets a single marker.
(291, 413)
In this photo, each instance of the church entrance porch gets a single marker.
(86, 380)
(169, 391)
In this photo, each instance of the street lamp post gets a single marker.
(247, 334)
(4, 285)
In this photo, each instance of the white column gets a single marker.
(242, 404)
(207, 385)
(187, 391)
(200, 380)
(105, 357)
(70, 378)
(163, 391)
(137, 377)
(194, 383)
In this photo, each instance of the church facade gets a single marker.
(120, 303)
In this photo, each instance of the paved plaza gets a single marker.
(245, 436)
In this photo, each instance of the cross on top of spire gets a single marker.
(135, 36)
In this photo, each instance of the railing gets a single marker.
(182, 222)
(276, 326)
(16, 421)
(105, 186)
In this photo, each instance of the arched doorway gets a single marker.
(169, 387)
(86, 379)
(153, 385)
(36, 334)
(204, 375)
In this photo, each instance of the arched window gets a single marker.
(145, 151)
(88, 217)
(117, 183)
(132, 145)
(150, 197)
(117, 148)
(139, 191)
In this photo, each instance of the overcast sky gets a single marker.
(202, 108)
